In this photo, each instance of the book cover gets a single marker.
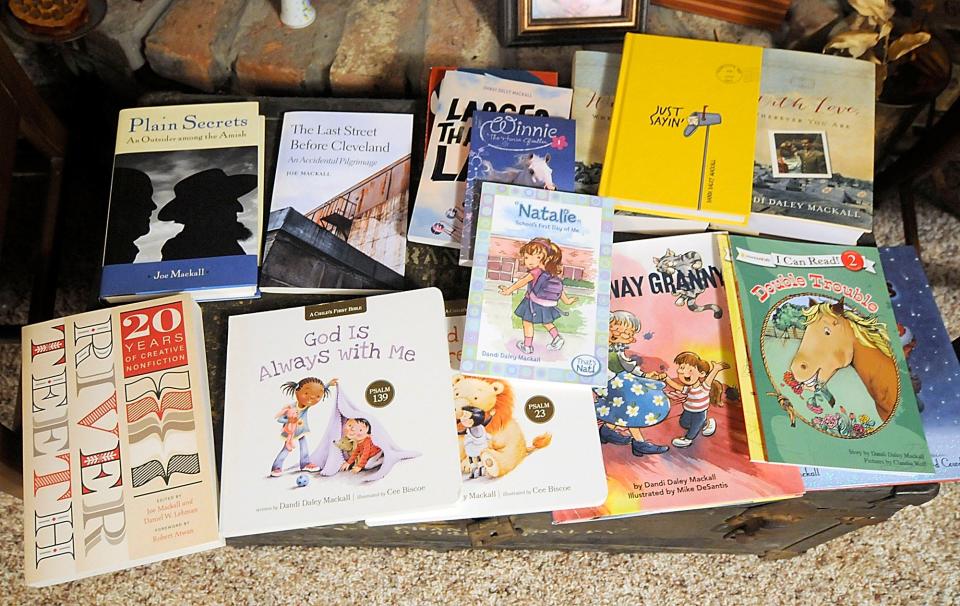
(118, 467)
(438, 210)
(670, 416)
(824, 378)
(338, 216)
(336, 412)
(532, 151)
(540, 286)
(525, 446)
(813, 159)
(683, 129)
(185, 202)
(934, 377)
(546, 78)
(594, 88)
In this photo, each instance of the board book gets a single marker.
(119, 467)
(670, 416)
(531, 151)
(186, 203)
(348, 175)
(532, 448)
(821, 366)
(336, 412)
(540, 286)
(934, 377)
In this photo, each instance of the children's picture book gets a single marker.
(934, 377)
(540, 286)
(532, 151)
(594, 87)
(438, 210)
(822, 370)
(338, 217)
(683, 129)
(670, 416)
(525, 446)
(336, 412)
(119, 467)
(185, 203)
(813, 159)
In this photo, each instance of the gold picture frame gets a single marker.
(559, 22)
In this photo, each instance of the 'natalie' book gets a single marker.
(118, 466)
(336, 412)
(670, 416)
(821, 365)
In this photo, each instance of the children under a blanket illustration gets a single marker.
(306, 392)
(364, 451)
(542, 259)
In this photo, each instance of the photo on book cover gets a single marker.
(800, 154)
(184, 204)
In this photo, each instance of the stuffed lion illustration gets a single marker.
(508, 446)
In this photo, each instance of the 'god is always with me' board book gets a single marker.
(525, 446)
(336, 412)
(670, 416)
(822, 368)
(540, 286)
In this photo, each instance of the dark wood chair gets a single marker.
(24, 116)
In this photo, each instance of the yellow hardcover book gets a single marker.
(748, 392)
(684, 128)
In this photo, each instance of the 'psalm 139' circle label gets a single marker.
(379, 393)
(539, 409)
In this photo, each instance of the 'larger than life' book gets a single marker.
(118, 465)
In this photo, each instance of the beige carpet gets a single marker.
(912, 559)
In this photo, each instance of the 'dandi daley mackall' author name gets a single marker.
(180, 273)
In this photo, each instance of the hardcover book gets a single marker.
(525, 446)
(338, 217)
(934, 377)
(532, 151)
(594, 87)
(540, 286)
(683, 129)
(336, 412)
(813, 159)
(821, 366)
(670, 416)
(185, 203)
(118, 466)
(438, 210)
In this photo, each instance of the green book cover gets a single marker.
(831, 384)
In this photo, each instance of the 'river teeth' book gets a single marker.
(438, 210)
(683, 129)
(338, 217)
(118, 466)
(594, 88)
(525, 446)
(532, 151)
(670, 416)
(934, 375)
(813, 161)
(337, 412)
(821, 365)
(185, 203)
(540, 286)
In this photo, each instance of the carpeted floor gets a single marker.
(912, 559)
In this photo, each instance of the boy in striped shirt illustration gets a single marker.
(694, 375)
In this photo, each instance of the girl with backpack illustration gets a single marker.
(542, 259)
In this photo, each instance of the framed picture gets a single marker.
(559, 22)
(799, 154)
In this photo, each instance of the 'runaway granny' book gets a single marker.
(185, 203)
(438, 210)
(540, 286)
(934, 375)
(525, 446)
(337, 412)
(118, 467)
(532, 151)
(670, 416)
(821, 367)
(338, 217)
